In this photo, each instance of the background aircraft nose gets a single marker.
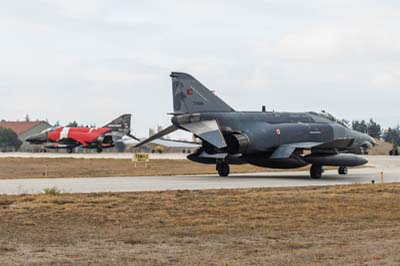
(368, 142)
(39, 138)
(373, 141)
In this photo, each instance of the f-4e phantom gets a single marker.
(268, 139)
(91, 138)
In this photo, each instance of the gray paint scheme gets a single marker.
(26, 146)
(268, 139)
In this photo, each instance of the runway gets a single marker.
(91, 155)
(389, 165)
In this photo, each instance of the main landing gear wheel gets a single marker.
(343, 170)
(223, 169)
(99, 149)
(69, 150)
(316, 172)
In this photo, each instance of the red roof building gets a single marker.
(19, 127)
(25, 129)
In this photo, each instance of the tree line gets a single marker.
(9, 140)
(372, 128)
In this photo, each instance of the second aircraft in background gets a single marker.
(91, 138)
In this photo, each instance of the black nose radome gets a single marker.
(37, 139)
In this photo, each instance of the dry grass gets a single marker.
(382, 148)
(68, 167)
(341, 225)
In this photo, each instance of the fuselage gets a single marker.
(82, 134)
(266, 131)
(271, 129)
(70, 137)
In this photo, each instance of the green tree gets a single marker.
(374, 129)
(371, 128)
(9, 138)
(392, 135)
(72, 124)
(360, 126)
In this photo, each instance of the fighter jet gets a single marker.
(268, 139)
(92, 138)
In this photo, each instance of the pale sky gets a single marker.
(92, 60)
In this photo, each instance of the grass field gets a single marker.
(68, 167)
(341, 225)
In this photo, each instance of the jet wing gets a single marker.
(336, 144)
(285, 150)
(208, 131)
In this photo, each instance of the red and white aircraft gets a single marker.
(92, 138)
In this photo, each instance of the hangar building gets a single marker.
(25, 129)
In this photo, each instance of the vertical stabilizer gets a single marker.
(190, 96)
(121, 124)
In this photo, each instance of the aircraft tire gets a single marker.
(343, 170)
(99, 149)
(69, 150)
(316, 172)
(223, 169)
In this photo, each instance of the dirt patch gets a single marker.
(341, 225)
(382, 148)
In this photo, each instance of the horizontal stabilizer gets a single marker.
(160, 134)
(207, 131)
(133, 137)
(181, 141)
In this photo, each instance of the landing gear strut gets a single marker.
(223, 168)
(316, 171)
(343, 170)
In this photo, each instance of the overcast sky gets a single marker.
(90, 61)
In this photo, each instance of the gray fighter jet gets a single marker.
(267, 139)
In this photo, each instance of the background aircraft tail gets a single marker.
(122, 123)
(190, 96)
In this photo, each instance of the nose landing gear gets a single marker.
(343, 170)
(99, 149)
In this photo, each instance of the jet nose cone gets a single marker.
(373, 141)
(368, 142)
(38, 138)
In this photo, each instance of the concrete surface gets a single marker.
(389, 165)
(103, 155)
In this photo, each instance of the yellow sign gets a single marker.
(141, 157)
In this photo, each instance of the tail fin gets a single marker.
(190, 96)
(121, 124)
